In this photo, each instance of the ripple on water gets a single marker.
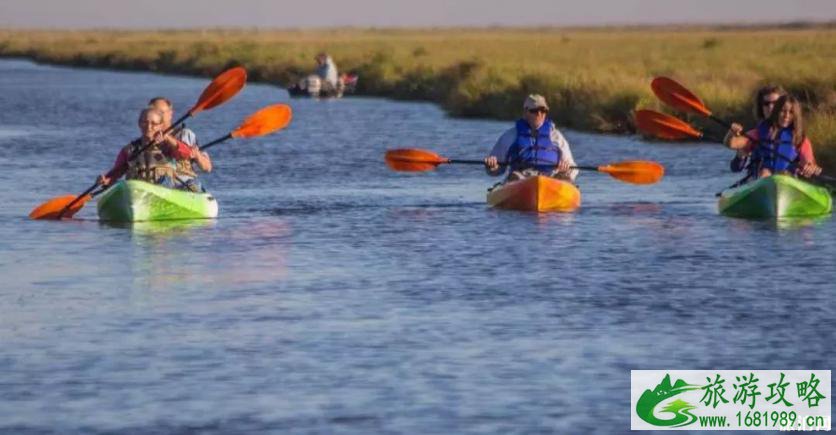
(333, 295)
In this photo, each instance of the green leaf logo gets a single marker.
(679, 408)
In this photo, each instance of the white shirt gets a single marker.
(500, 150)
(188, 137)
(328, 71)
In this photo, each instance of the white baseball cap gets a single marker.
(535, 101)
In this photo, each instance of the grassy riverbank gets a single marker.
(593, 78)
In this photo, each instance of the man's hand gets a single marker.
(563, 167)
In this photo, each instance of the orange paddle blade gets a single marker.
(222, 88)
(265, 121)
(677, 96)
(413, 160)
(52, 208)
(635, 171)
(664, 126)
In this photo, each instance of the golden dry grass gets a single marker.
(593, 78)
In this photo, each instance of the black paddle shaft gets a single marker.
(216, 141)
(467, 162)
(77, 198)
(481, 162)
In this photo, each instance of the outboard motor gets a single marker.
(313, 84)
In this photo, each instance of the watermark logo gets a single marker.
(730, 399)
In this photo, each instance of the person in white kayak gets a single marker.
(534, 146)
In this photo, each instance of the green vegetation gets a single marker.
(593, 78)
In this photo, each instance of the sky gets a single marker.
(400, 13)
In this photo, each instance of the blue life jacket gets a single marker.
(782, 144)
(529, 151)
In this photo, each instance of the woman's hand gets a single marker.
(103, 180)
(734, 137)
(809, 169)
(563, 167)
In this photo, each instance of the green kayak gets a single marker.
(777, 196)
(133, 200)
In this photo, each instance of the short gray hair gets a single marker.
(163, 99)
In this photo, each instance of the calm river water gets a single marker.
(333, 295)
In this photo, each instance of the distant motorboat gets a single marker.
(313, 86)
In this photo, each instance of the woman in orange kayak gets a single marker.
(780, 134)
(155, 164)
(533, 147)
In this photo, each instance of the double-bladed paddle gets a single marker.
(670, 128)
(679, 97)
(419, 160)
(665, 126)
(267, 120)
(220, 90)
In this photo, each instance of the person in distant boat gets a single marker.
(782, 132)
(765, 100)
(324, 82)
(186, 174)
(326, 69)
(534, 146)
(156, 164)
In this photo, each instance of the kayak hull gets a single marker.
(136, 201)
(538, 193)
(296, 92)
(776, 196)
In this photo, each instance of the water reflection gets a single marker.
(635, 209)
(545, 220)
(162, 229)
(206, 253)
(323, 274)
(782, 224)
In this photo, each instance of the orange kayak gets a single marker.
(536, 193)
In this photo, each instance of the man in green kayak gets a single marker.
(155, 164)
(186, 174)
(534, 146)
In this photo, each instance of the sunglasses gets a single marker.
(769, 102)
(537, 110)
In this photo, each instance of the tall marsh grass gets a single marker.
(593, 78)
